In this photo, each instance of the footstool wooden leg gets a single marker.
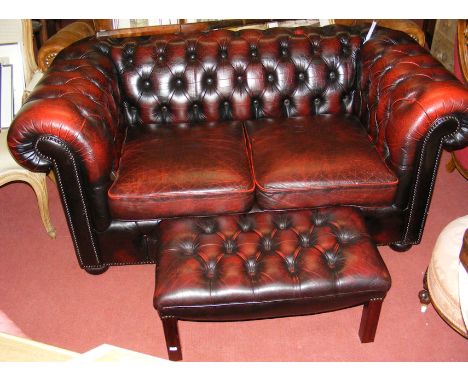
(171, 332)
(369, 320)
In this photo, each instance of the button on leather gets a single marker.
(230, 246)
(271, 77)
(301, 76)
(332, 75)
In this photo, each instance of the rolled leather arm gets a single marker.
(76, 104)
(404, 94)
(63, 38)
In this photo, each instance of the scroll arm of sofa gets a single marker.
(418, 111)
(406, 96)
(62, 121)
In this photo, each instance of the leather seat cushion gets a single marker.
(181, 170)
(267, 264)
(316, 161)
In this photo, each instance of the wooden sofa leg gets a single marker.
(369, 320)
(171, 332)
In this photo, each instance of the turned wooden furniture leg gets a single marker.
(369, 320)
(171, 332)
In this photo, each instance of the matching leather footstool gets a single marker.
(267, 265)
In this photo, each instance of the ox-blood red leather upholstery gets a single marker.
(334, 165)
(237, 75)
(266, 265)
(103, 99)
(184, 170)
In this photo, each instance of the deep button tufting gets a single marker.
(229, 246)
(301, 76)
(283, 221)
(188, 247)
(253, 52)
(271, 77)
(333, 259)
(240, 79)
(317, 101)
(239, 282)
(207, 226)
(344, 236)
(164, 109)
(287, 102)
(251, 265)
(161, 57)
(332, 75)
(319, 219)
(146, 84)
(306, 240)
(284, 52)
(178, 83)
(223, 53)
(209, 81)
(246, 224)
(267, 244)
(211, 269)
(291, 264)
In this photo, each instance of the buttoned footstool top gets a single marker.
(267, 264)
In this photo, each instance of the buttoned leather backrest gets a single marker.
(226, 75)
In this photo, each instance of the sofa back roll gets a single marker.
(226, 75)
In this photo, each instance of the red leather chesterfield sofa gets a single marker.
(148, 128)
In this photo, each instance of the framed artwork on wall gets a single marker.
(11, 57)
(6, 95)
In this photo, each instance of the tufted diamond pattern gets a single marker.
(264, 262)
(400, 84)
(226, 75)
